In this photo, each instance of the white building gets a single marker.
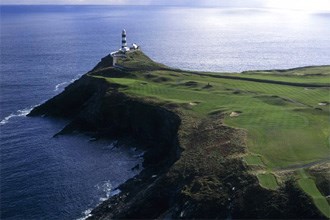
(124, 47)
(121, 52)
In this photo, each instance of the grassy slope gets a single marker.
(285, 130)
(285, 124)
(307, 183)
(267, 180)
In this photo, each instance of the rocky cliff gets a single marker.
(191, 165)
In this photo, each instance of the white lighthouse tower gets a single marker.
(123, 39)
(121, 53)
(124, 47)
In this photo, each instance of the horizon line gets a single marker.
(177, 5)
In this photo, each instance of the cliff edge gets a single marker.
(193, 166)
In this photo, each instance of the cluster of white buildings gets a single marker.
(122, 51)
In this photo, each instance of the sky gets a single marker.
(323, 5)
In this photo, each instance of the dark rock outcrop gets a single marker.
(94, 105)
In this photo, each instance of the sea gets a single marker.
(45, 48)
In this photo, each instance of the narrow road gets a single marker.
(301, 166)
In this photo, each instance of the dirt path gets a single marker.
(325, 85)
(301, 166)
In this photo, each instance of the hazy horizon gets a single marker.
(323, 5)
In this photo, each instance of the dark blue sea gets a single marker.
(45, 48)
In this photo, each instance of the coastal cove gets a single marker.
(195, 164)
(58, 178)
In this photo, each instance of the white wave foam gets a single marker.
(105, 187)
(19, 113)
(57, 87)
(76, 78)
(115, 192)
(86, 213)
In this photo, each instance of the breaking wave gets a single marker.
(107, 190)
(86, 213)
(60, 85)
(19, 113)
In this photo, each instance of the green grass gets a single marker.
(284, 132)
(304, 75)
(267, 180)
(138, 60)
(308, 185)
(252, 159)
(284, 123)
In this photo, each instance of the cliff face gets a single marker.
(73, 99)
(94, 105)
(191, 167)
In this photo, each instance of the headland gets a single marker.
(217, 145)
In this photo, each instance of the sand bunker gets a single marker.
(323, 103)
(193, 103)
(235, 114)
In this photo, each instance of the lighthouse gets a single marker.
(121, 53)
(123, 39)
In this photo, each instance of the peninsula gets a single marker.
(217, 145)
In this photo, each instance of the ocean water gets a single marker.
(44, 48)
